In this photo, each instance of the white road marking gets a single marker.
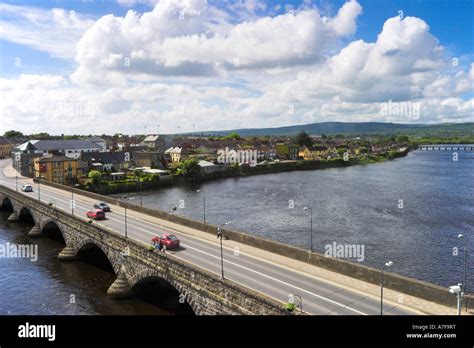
(217, 257)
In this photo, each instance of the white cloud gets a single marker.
(292, 69)
(55, 31)
(193, 38)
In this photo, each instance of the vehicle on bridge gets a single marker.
(27, 188)
(170, 241)
(97, 214)
(102, 206)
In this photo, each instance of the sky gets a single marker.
(170, 66)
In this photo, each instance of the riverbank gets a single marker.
(299, 165)
(244, 171)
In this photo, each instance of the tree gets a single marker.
(13, 134)
(402, 139)
(303, 139)
(190, 169)
(341, 151)
(363, 149)
(137, 174)
(232, 136)
(96, 177)
(41, 136)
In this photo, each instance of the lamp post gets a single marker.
(219, 235)
(387, 264)
(311, 213)
(139, 187)
(461, 236)
(301, 301)
(72, 198)
(39, 187)
(457, 290)
(16, 182)
(204, 204)
(125, 198)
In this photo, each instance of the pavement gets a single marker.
(323, 292)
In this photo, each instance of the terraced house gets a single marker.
(58, 169)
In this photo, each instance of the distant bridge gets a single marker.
(446, 148)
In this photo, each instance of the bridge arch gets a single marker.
(150, 275)
(7, 204)
(92, 245)
(48, 227)
(26, 214)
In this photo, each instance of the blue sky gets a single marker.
(439, 14)
(341, 63)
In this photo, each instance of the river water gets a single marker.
(48, 286)
(409, 211)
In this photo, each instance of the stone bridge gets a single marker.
(132, 261)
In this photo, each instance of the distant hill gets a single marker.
(353, 128)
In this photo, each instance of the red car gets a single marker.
(168, 240)
(97, 214)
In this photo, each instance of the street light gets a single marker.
(299, 298)
(219, 235)
(311, 213)
(461, 236)
(125, 198)
(387, 264)
(16, 182)
(204, 203)
(72, 198)
(39, 189)
(456, 289)
(139, 187)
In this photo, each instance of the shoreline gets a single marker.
(281, 167)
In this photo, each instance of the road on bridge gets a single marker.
(320, 297)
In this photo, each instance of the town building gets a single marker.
(58, 169)
(102, 143)
(312, 153)
(154, 142)
(25, 153)
(177, 154)
(7, 144)
(106, 161)
(149, 159)
(287, 151)
(209, 167)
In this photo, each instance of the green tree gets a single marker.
(402, 139)
(13, 134)
(41, 136)
(137, 174)
(303, 139)
(190, 169)
(363, 149)
(96, 177)
(232, 136)
(341, 151)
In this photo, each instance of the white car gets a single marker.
(27, 188)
